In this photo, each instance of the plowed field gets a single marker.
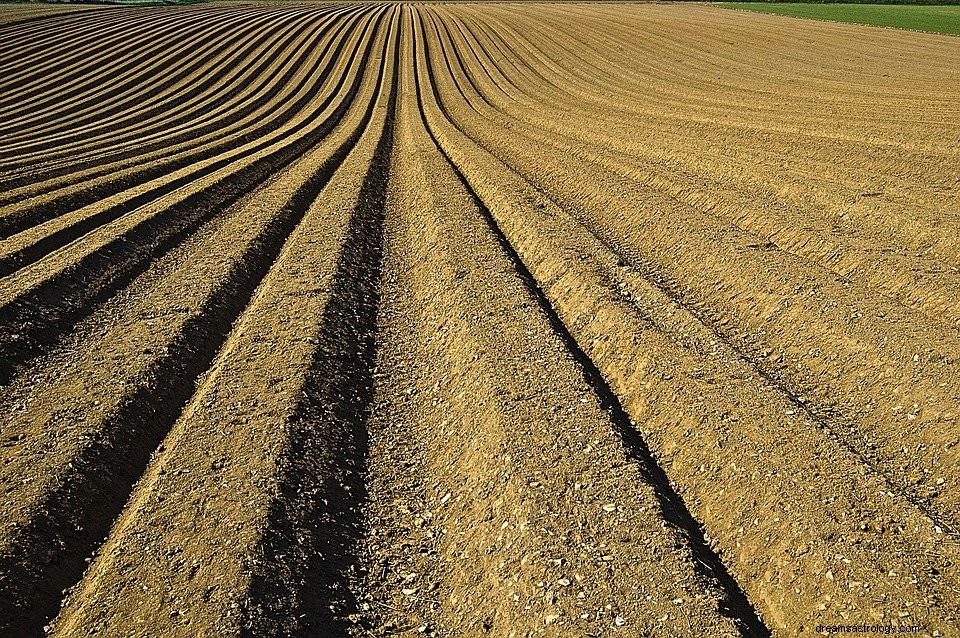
(460, 320)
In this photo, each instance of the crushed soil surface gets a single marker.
(329, 319)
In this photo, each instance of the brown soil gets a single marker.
(506, 319)
(28, 12)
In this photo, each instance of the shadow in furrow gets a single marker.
(33, 323)
(261, 75)
(735, 604)
(49, 553)
(310, 549)
(23, 220)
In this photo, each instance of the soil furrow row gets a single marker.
(865, 430)
(670, 503)
(202, 150)
(233, 90)
(704, 446)
(467, 319)
(41, 302)
(918, 283)
(72, 126)
(22, 17)
(32, 96)
(278, 503)
(60, 518)
(489, 482)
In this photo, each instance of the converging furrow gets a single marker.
(476, 319)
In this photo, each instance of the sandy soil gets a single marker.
(455, 320)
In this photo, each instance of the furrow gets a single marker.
(671, 504)
(141, 372)
(231, 90)
(256, 122)
(758, 313)
(23, 16)
(914, 281)
(78, 119)
(710, 424)
(487, 477)
(817, 169)
(94, 29)
(291, 89)
(279, 418)
(33, 95)
(42, 302)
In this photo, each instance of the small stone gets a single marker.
(563, 582)
(609, 507)
(619, 621)
(549, 619)
(408, 591)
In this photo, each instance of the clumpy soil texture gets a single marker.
(467, 320)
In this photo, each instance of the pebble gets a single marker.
(609, 507)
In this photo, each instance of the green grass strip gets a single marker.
(934, 19)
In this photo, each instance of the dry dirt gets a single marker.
(476, 320)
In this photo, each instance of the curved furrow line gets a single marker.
(52, 31)
(54, 214)
(145, 378)
(101, 30)
(769, 40)
(910, 288)
(944, 149)
(584, 65)
(592, 94)
(638, 98)
(535, 226)
(923, 286)
(42, 302)
(113, 84)
(208, 79)
(22, 94)
(462, 332)
(246, 111)
(701, 59)
(869, 436)
(54, 128)
(197, 87)
(450, 140)
(23, 16)
(853, 177)
(476, 319)
(930, 289)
